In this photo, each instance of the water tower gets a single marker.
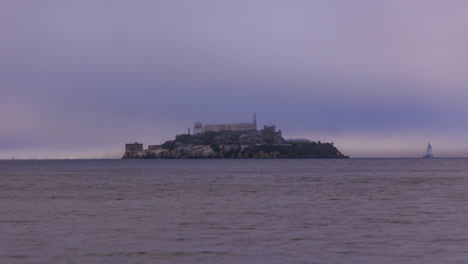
(197, 128)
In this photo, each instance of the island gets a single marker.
(242, 143)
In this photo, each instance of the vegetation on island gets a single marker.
(265, 143)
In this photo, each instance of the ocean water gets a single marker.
(234, 211)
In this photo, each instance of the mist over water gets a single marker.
(234, 211)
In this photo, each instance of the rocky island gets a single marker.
(228, 144)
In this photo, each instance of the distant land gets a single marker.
(233, 141)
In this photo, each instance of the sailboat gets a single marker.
(428, 152)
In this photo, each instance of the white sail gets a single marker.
(428, 151)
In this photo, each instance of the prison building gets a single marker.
(133, 147)
(232, 127)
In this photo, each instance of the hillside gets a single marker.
(266, 143)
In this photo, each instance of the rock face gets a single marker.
(263, 144)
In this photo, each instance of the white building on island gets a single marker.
(228, 127)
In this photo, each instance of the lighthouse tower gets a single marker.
(255, 121)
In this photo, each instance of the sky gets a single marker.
(79, 79)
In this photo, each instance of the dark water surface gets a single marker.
(234, 211)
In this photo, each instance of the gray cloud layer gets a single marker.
(80, 78)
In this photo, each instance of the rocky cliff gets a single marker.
(236, 145)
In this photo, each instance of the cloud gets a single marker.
(92, 75)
